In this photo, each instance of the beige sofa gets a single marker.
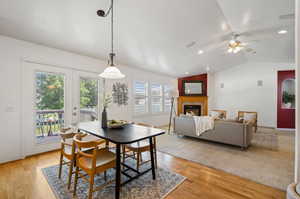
(225, 131)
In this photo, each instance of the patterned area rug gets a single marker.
(142, 188)
(269, 160)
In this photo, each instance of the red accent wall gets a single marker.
(202, 77)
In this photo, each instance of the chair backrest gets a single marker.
(81, 145)
(67, 141)
(64, 130)
(222, 113)
(241, 114)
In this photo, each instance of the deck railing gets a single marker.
(49, 122)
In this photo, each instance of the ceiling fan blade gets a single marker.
(191, 44)
(261, 33)
(250, 50)
(215, 43)
(287, 16)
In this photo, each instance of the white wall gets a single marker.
(241, 92)
(13, 52)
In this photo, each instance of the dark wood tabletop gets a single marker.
(128, 134)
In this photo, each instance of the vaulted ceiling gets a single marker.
(161, 36)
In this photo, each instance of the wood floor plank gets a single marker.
(23, 179)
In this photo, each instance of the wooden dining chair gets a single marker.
(136, 149)
(92, 162)
(68, 150)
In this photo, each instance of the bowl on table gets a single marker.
(116, 124)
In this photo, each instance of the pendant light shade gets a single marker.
(112, 72)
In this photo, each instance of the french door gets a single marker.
(53, 98)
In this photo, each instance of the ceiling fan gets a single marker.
(234, 46)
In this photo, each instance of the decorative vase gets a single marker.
(104, 118)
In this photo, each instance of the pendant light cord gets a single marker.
(112, 33)
(112, 26)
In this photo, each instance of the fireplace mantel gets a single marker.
(201, 100)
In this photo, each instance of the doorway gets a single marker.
(53, 98)
(286, 99)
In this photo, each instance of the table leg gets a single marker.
(118, 171)
(152, 158)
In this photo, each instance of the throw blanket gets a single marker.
(203, 124)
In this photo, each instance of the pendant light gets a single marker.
(111, 72)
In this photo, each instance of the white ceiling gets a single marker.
(153, 35)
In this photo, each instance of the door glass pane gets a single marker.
(49, 101)
(288, 94)
(88, 99)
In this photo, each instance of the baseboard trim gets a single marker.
(267, 127)
(283, 129)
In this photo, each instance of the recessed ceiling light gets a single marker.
(207, 68)
(200, 52)
(186, 73)
(281, 32)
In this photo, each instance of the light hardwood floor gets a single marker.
(23, 179)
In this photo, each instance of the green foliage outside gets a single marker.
(50, 92)
(88, 93)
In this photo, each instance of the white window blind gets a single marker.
(140, 98)
(167, 98)
(156, 98)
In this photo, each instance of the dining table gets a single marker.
(128, 134)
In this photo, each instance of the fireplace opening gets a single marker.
(192, 109)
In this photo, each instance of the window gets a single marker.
(156, 98)
(167, 98)
(140, 98)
